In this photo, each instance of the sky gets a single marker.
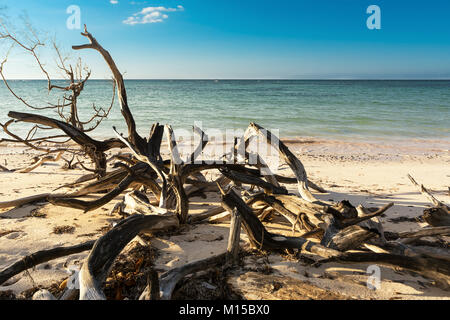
(244, 39)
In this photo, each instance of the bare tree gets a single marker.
(75, 77)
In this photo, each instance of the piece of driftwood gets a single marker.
(151, 291)
(347, 233)
(262, 239)
(94, 148)
(234, 238)
(108, 181)
(145, 150)
(408, 243)
(70, 294)
(252, 158)
(425, 232)
(200, 188)
(40, 162)
(137, 202)
(426, 193)
(4, 169)
(114, 182)
(373, 224)
(293, 162)
(200, 217)
(259, 286)
(438, 215)
(263, 168)
(42, 256)
(304, 215)
(298, 218)
(313, 211)
(408, 249)
(252, 180)
(436, 269)
(24, 201)
(264, 171)
(176, 179)
(66, 108)
(348, 238)
(107, 248)
(169, 279)
(135, 139)
(344, 222)
(87, 206)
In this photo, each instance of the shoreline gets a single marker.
(402, 148)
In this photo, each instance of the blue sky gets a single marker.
(250, 39)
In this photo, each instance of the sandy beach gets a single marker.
(371, 174)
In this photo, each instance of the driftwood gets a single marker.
(252, 180)
(427, 193)
(437, 269)
(39, 162)
(40, 257)
(408, 249)
(438, 215)
(427, 232)
(137, 202)
(169, 280)
(293, 162)
(24, 201)
(263, 239)
(258, 286)
(234, 237)
(100, 260)
(70, 294)
(206, 215)
(94, 148)
(347, 233)
(76, 75)
(151, 291)
(346, 239)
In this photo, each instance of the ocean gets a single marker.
(333, 109)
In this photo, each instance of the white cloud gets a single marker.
(151, 15)
(113, 1)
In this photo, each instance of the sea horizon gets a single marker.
(245, 79)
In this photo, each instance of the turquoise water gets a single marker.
(326, 109)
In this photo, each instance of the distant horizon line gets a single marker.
(251, 79)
